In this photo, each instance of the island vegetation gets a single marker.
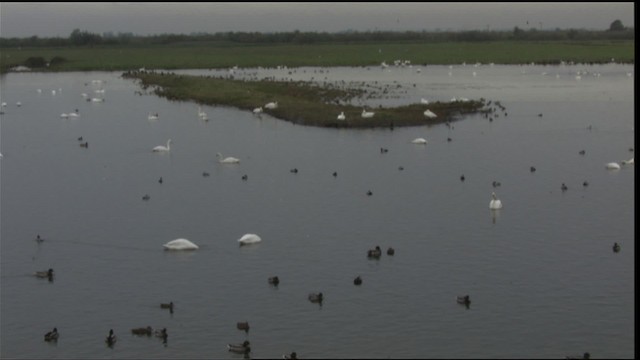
(151, 58)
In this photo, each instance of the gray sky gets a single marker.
(59, 19)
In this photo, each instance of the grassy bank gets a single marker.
(298, 102)
(222, 55)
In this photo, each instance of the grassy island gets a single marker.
(299, 102)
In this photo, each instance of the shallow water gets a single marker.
(541, 274)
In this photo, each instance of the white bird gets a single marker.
(341, 116)
(180, 244)
(613, 166)
(227, 160)
(367, 114)
(627, 162)
(430, 114)
(257, 110)
(97, 99)
(424, 101)
(53, 92)
(201, 114)
(419, 141)
(495, 203)
(74, 114)
(18, 104)
(152, 116)
(160, 148)
(3, 104)
(271, 105)
(64, 115)
(247, 239)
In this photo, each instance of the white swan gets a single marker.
(64, 115)
(419, 141)
(424, 101)
(247, 239)
(74, 114)
(180, 244)
(495, 203)
(367, 114)
(271, 105)
(227, 160)
(160, 148)
(613, 166)
(152, 116)
(430, 114)
(97, 99)
(257, 110)
(341, 116)
(627, 162)
(201, 114)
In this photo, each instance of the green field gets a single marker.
(221, 55)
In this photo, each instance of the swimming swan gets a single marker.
(613, 166)
(228, 160)
(419, 141)
(180, 244)
(247, 239)
(627, 162)
(495, 203)
(160, 148)
(152, 116)
(341, 116)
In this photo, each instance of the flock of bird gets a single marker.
(247, 239)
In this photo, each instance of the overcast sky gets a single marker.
(59, 19)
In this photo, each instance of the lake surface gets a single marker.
(541, 274)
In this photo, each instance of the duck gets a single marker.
(315, 297)
(45, 274)
(357, 280)
(167, 306)
(532, 169)
(616, 247)
(335, 174)
(585, 184)
(227, 160)
(463, 300)
(51, 335)
(495, 203)
(39, 239)
(294, 171)
(111, 338)
(84, 144)
(292, 356)
(245, 177)
(564, 187)
(369, 193)
(390, 251)
(581, 152)
(341, 116)
(462, 177)
(274, 280)
(162, 334)
(160, 180)
(374, 253)
(243, 348)
(180, 244)
(243, 326)
(146, 197)
(248, 239)
(421, 141)
(142, 331)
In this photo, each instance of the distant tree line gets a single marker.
(78, 37)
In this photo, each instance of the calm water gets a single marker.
(541, 274)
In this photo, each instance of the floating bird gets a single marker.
(142, 331)
(180, 244)
(585, 184)
(48, 274)
(581, 152)
(463, 300)
(627, 162)
(161, 148)
(152, 116)
(245, 177)
(584, 356)
(495, 203)
(357, 280)
(616, 247)
(227, 160)
(294, 170)
(374, 253)
(162, 334)
(39, 239)
(84, 144)
(111, 338)
(316, 297)
(369, 193)
(367, 114)
(243, 326)
(146, 197)
(160, 180)
(390, 251)
(564, 187)
(243, 348)
(292, 356)
(532, 169)
(341, 116)
(167, 306)
(51, 335)
(274, 280)
(613, 166)
(248, 239)
(420, 141)
(205, 174)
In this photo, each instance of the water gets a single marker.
(541, 274)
